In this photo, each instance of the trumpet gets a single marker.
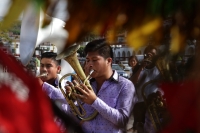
(70, 56)
(42, 75)
(148, 60)
(152, 107)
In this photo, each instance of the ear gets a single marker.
(58, 69)
(109, 60)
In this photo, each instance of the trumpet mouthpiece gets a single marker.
(42, 75)
(91, 71)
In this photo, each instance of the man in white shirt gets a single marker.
(146, 72)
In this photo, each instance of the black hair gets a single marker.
(132, 57)
(100, 46)
(149, 48)
(51, 55)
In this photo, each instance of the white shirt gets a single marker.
(145, 76)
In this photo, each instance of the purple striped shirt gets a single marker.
(114, 103)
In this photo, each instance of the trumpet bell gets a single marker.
(70, 51)
(70, 56)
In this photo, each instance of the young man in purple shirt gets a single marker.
(113, 96)
(49, 83)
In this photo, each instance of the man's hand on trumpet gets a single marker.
(85, 94)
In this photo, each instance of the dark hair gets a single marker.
(100, 46)
(51, 55)
(132, 57)
(149, 48)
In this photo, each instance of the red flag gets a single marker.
(24, 107)
(182, 103)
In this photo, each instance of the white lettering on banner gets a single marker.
(16, 85)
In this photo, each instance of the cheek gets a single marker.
(131, 63)
(51, 70)
(42, 70)
(99, 67)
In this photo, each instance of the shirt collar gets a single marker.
(57, 79)
(115, 76)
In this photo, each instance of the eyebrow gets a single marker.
(45, 64)
(95, 57)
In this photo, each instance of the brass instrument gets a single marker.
(70, 56)
(164, 67)
(147, 60)
(152, 108)
(157, 104)
(42, 75)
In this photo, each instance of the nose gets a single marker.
(44, 69)
(90, 67)
(89, 64)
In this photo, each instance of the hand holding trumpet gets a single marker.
(148, 61)
(80, 91)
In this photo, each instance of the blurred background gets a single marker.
(29, 28)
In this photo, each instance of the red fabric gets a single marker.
(182, 102)
(32, 115)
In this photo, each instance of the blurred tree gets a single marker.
(15, 30)
(16, 27)
(4, 36)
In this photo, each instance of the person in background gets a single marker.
(174, 73)
(31, 67)
(112, 95)
(50, 82)
(181, 68)
(133, 63)
(51, 67)
(147, 71)
(37, 63)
